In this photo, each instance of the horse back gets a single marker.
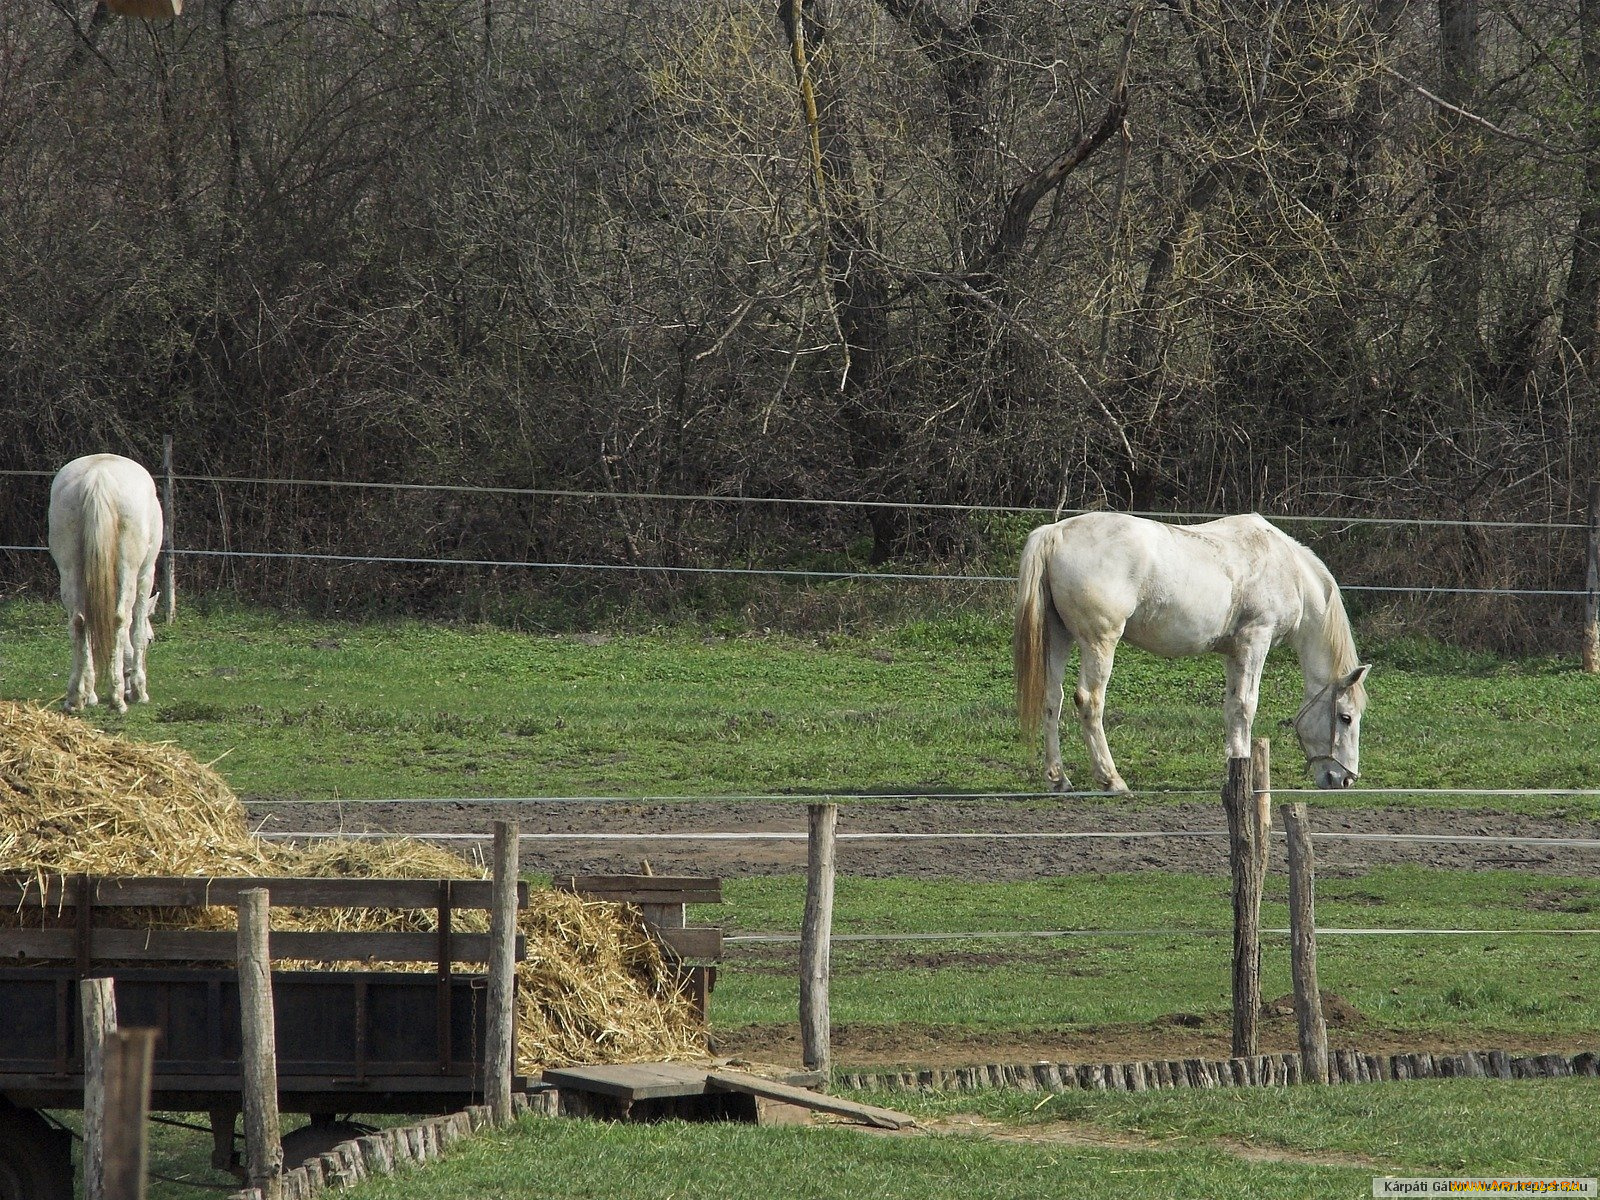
(1173, 589)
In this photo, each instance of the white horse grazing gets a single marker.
(1234, 587)
(105, 533)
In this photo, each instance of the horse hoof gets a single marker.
(1117, 787)
(1058, 786)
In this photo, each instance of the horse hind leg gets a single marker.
(1058, 645)
(1094, 672)
(80, 684)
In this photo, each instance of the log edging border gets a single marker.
(1260, 1070)
(391, 1150)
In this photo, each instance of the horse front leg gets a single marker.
(1239, 709)
(1239, 706)
(1094, 673)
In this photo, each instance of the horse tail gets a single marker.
(101, 539)
(1028, 632)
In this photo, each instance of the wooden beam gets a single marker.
(754, 1085)
(1313, 1028)
(1244, 858)
(263, 1134)
(129, 1056)
(644, 889)
(500, 1050)
(97, 1002)
(206, 945)
(691, 943)
(56, 892)
(816, 936)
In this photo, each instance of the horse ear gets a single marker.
(1355, 677)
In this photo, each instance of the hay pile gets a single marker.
(594, 987)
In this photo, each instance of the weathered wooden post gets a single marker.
(97, 1002)
(1591, 598)
(1303, 945)
(1238, 800)
(169, 518)
(263, 1142)
(816, 935)
(500, 1049)
(129, 1054)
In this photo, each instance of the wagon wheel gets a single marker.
(35, 1157)
(322, 1135)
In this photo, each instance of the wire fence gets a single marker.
(770, 572)
(713, 837)
(846, 798)
(809, 574)
(827, 502)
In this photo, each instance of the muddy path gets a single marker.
(1191, 841)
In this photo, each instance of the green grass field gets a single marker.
(291, 707)
(1295, 1142)
(1522, 984)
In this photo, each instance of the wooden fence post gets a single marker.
(128, 1057)
(1238, 800)
(816, 934)
(1303, 945)
(169, 579)
(500, 1048)
(1591, 599)
(263, 1136)
(97, 1002)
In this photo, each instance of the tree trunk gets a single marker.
(1578, 313)
(856, 281)
(1458, 192)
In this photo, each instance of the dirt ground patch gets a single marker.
(1081, 1134)
(1191, 836)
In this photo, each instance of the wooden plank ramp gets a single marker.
(768, 1089)
(631, 1082)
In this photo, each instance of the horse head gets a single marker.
(1328, 726)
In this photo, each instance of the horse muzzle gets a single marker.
(1331, 776)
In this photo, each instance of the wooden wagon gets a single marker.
(370, 1039)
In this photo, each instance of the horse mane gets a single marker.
(1335, 630)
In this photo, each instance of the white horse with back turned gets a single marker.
(1234, 587)
(105, 533)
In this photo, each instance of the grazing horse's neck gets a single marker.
(1322, 640)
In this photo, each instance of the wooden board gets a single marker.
(196, 945)
(644, 889)
(631, 1081)
(57, 892)
(754, 1085)
(691, 943)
